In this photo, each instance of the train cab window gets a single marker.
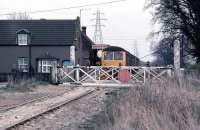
(118, 55)
(108, 56)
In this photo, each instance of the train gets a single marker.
(115, 56)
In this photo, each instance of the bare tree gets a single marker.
(19, 16)
(164, 52)
(179, 17)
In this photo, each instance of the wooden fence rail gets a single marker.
(110, 75)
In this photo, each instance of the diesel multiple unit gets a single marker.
(117, 56)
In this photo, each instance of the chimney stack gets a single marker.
(84, 30)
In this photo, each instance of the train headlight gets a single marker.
(100, 53)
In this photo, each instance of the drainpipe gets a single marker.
(30, 62)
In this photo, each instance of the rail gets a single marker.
(19, 115)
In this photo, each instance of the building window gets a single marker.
(44, 66)
(22, 39)
(118, 55)
(108, 56)
(23, 64)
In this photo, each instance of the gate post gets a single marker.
(54, 72)
(73, 55)
(144, 75)
(177, 62)
(77, 73)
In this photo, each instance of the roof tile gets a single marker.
(43, 32)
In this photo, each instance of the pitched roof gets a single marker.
(43, 32)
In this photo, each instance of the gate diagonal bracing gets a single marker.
(98, 75)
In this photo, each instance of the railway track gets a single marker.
(5, 108)
(28, 101)
(26, 112)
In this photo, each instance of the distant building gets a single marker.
(34, 45)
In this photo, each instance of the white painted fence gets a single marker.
(98, 75)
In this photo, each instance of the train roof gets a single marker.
(114, 48)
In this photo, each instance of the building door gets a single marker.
(67, 64)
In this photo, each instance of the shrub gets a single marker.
(23, 85)
(195, 67)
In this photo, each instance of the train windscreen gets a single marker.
(108, 56)
(118, 55)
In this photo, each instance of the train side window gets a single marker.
(108, 56)
(118, 55)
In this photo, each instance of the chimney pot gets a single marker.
(84, 30)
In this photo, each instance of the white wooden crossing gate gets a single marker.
(100, 75)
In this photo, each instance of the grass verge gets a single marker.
(23, 85)
(169, 105)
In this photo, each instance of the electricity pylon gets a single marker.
(98, 36)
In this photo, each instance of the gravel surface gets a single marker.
(8, 99)
(73, 116)
(28, 111)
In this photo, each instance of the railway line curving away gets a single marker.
(23, 113)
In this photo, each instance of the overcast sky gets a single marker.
(126, 22)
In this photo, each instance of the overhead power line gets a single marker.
(156, 51)
(72, 7)
(125, 39)
(150, 54)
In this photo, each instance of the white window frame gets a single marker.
(23, 64)
(22, 39)
(44, 66)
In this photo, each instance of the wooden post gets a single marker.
(177, 57)
(112, 73)
(144, 75)
(95, 74)
(77, 74)
(54, 72)
(99, 74)
(72, 55)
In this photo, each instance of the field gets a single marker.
(170, 105)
